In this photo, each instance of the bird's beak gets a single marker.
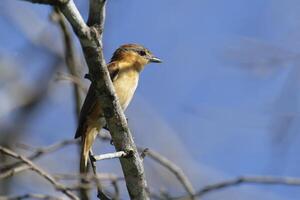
(155, 60)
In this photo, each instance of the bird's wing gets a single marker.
(114, 70)
(90, 107)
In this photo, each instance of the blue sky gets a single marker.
(226, 94)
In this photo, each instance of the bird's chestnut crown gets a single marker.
(134, 53)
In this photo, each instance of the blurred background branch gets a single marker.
(239, 90)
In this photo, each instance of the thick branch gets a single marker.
(72, 14)
(41, 172)
(132, 165)
(96, 18)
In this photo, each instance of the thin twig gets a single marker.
(11, 169)
(73, 79)
(267, 180)
(41, 172)
(177, 171)
(250, 179)
(117, 190)
(90, 177)
(14, 170)
(30, 196)
(118, 154)
(49, 2)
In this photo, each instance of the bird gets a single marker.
(125, 66)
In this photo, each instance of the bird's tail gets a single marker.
(87, 142)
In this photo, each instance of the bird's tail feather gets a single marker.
(87, 142)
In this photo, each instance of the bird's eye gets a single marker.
(142, 53)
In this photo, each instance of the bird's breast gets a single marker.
(125, 86)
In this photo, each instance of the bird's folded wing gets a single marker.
(90, 108)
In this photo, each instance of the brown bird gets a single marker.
(124, 68)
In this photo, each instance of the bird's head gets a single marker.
(134, 55)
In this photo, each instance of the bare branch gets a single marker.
(96, 18)
(250, 179)
(73, 79)
(118, 154)
(177, 171)
(72, 14)
(100, 176)
(41, 172)
(30, 196)
(49, 2)
(11, 169)
(132, 166)
(269, 180)
(117, 190)
(69, 56)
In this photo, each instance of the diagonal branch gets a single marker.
(74, 17)
(267, 180)
(69, 56)
(132, 165)
(30, 196)
(41, 172)
(11, 169)
(173, 168)
(249, 179)
(49, 2)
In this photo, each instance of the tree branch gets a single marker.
(69, 57)
(74, 17)
(11, 169)
(177, 171)
(96, 18)
(249, 179)
(132, 165)
(39, 171)
(49, 2)
(73, 79)
(270, 180)
(118, 154)
(30, 196)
